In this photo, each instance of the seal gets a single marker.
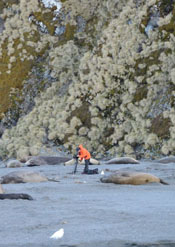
(122, 160)
(167, 160)
(15, 196)
(134, 178)
(45, 160)
(23, 177)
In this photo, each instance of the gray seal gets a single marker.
(167, 160)
(122, 160)
(15, 196)
(46, 160)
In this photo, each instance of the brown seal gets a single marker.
(134, 178)
(23, 177)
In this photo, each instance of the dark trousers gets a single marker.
(86, 169)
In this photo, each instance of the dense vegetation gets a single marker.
(100, 73)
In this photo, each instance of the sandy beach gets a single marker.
(90, 212)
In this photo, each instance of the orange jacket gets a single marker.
(83, 153)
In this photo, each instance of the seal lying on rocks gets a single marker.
(134, 178)
(167, 160)
(46, 160)
(24, 177)
(15, 196)
(122, 160)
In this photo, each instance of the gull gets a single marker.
(58, 234)
(102, 172)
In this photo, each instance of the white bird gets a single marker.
(102, 172)
(58, 234)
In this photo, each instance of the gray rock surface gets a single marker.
(90, 212)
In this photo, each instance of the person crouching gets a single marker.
(84, 154)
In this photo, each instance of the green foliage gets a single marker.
(108, 78)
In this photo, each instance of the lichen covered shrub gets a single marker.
(21, 44)
(114, 95)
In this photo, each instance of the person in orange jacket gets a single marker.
(84, 154)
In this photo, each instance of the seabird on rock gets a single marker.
(59, 234)
(102, 172)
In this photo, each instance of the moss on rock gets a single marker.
(47, 19)
(83, 114)
(140, 93)
(160, 126)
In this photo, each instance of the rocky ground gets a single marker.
(90, 212)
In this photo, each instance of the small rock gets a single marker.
(1, 189)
